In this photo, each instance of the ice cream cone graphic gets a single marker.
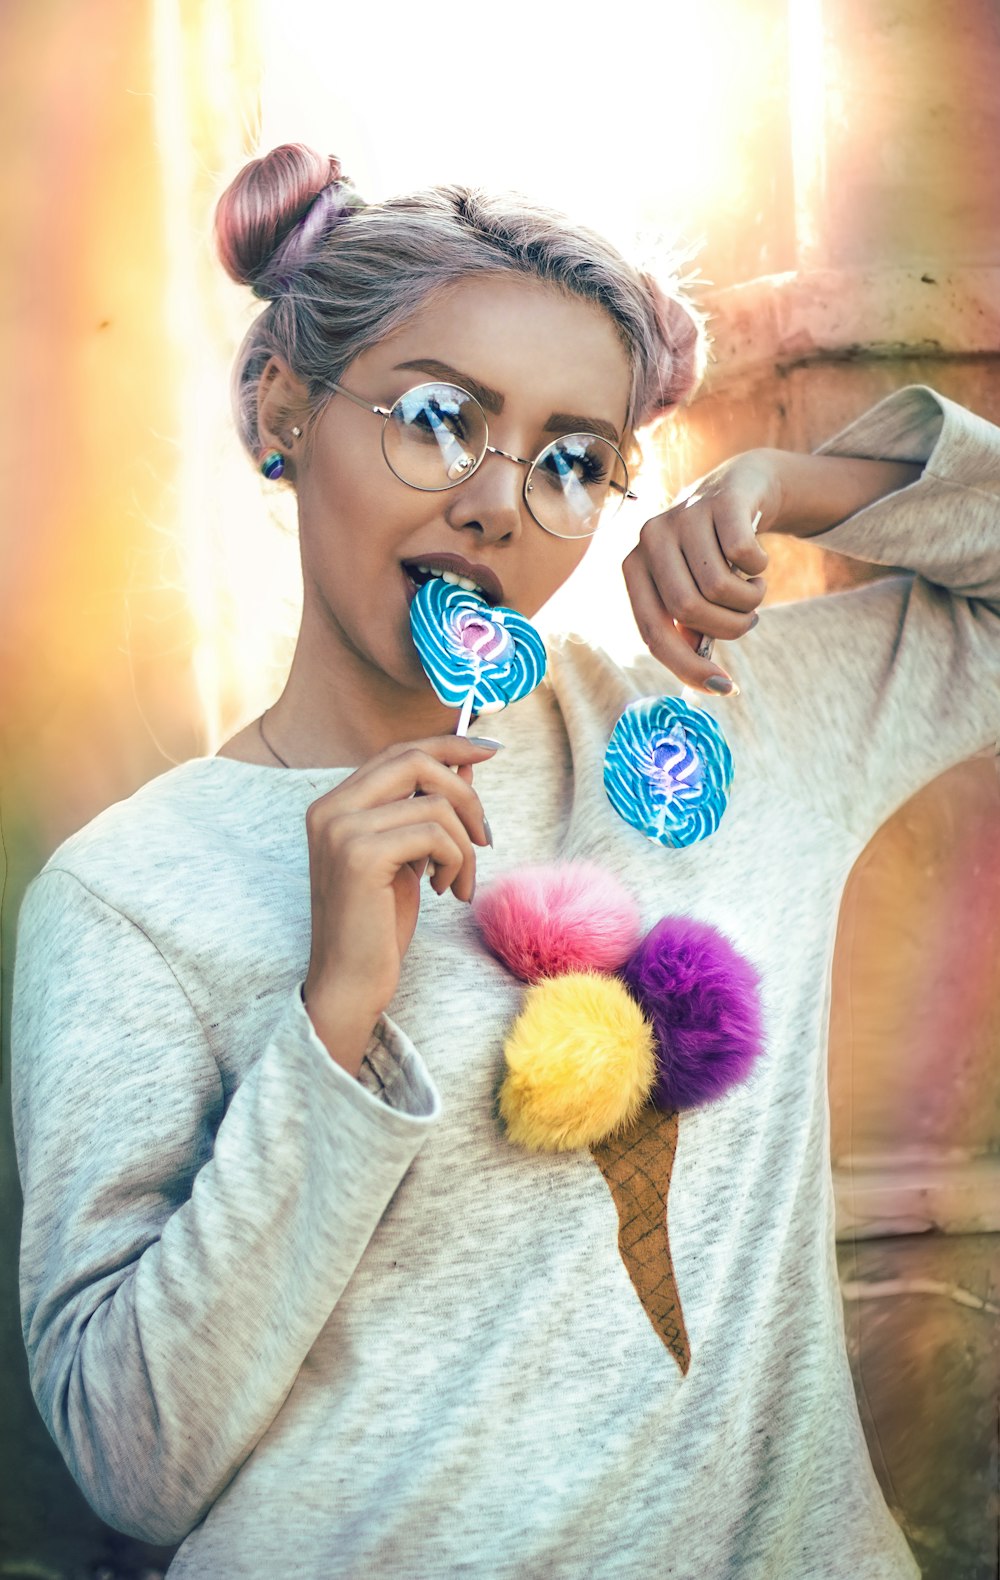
(636, 1164)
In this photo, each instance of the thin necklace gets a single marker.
(267, 743)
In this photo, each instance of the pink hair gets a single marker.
(682, 351)
(340, 275)
(256, 216)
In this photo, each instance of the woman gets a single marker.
(290, 1297)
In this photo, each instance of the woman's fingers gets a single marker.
(370, 840)
(355, 833)
(733, 522)
(695, 574)
(386, 844)
(743, 545)
(711, 590)
(657, 628)
(416, 768)
(665, 585)
(424, 829)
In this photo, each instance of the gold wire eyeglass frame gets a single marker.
(490, 449)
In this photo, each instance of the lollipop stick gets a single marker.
(462, 728)
(661, 821)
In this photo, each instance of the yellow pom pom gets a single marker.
(580, 1063)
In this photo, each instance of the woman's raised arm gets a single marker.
(859, 698)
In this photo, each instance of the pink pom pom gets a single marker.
(554, 917)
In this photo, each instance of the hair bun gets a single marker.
(257, 215)
(683, 349)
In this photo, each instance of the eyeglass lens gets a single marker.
(436, 434)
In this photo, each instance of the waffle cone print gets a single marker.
(618, 1033)
(636, 1163)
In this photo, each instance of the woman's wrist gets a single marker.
(344, 1033)
(817, 492)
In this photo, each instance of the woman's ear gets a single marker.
(282, 404)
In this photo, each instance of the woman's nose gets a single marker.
(492, 498)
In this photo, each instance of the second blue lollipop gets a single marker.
(668, 769)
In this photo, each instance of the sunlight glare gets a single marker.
(631, 128)
(807, 106)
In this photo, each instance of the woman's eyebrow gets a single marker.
(568, 422)
(492, 400)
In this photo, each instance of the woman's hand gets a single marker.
(679, 575)
(370, 839)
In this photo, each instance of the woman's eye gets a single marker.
(432, 418)
(581, 463)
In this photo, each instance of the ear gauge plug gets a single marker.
(272, 465)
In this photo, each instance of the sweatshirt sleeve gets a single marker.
(179, 1256)
(864, 696)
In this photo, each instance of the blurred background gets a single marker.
(835, 162)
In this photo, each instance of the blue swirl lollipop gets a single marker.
(478, 658)
(668, 769)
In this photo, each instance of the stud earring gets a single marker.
(272, 465)
(297, 432)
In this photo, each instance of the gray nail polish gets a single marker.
(753, 622)
(484, 740)
(489, 831)
(719, 683)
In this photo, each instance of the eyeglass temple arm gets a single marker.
(381, 411)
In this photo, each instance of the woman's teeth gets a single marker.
(464, 582)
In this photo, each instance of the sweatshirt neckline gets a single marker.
(275, 770)
(524, 710)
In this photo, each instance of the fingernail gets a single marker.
(722, 685)
(484, 740)
(472, 896)
(753, 622)
(489, 831)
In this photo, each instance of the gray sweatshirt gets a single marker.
(306, 1325)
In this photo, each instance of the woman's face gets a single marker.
(543, 353)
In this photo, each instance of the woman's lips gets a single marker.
(456, 568)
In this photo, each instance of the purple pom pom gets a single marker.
(701, 996)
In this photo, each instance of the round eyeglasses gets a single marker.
(435, 435)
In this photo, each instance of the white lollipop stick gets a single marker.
(707, 643)
(462, 728)
(466, 713)
(662, 820)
